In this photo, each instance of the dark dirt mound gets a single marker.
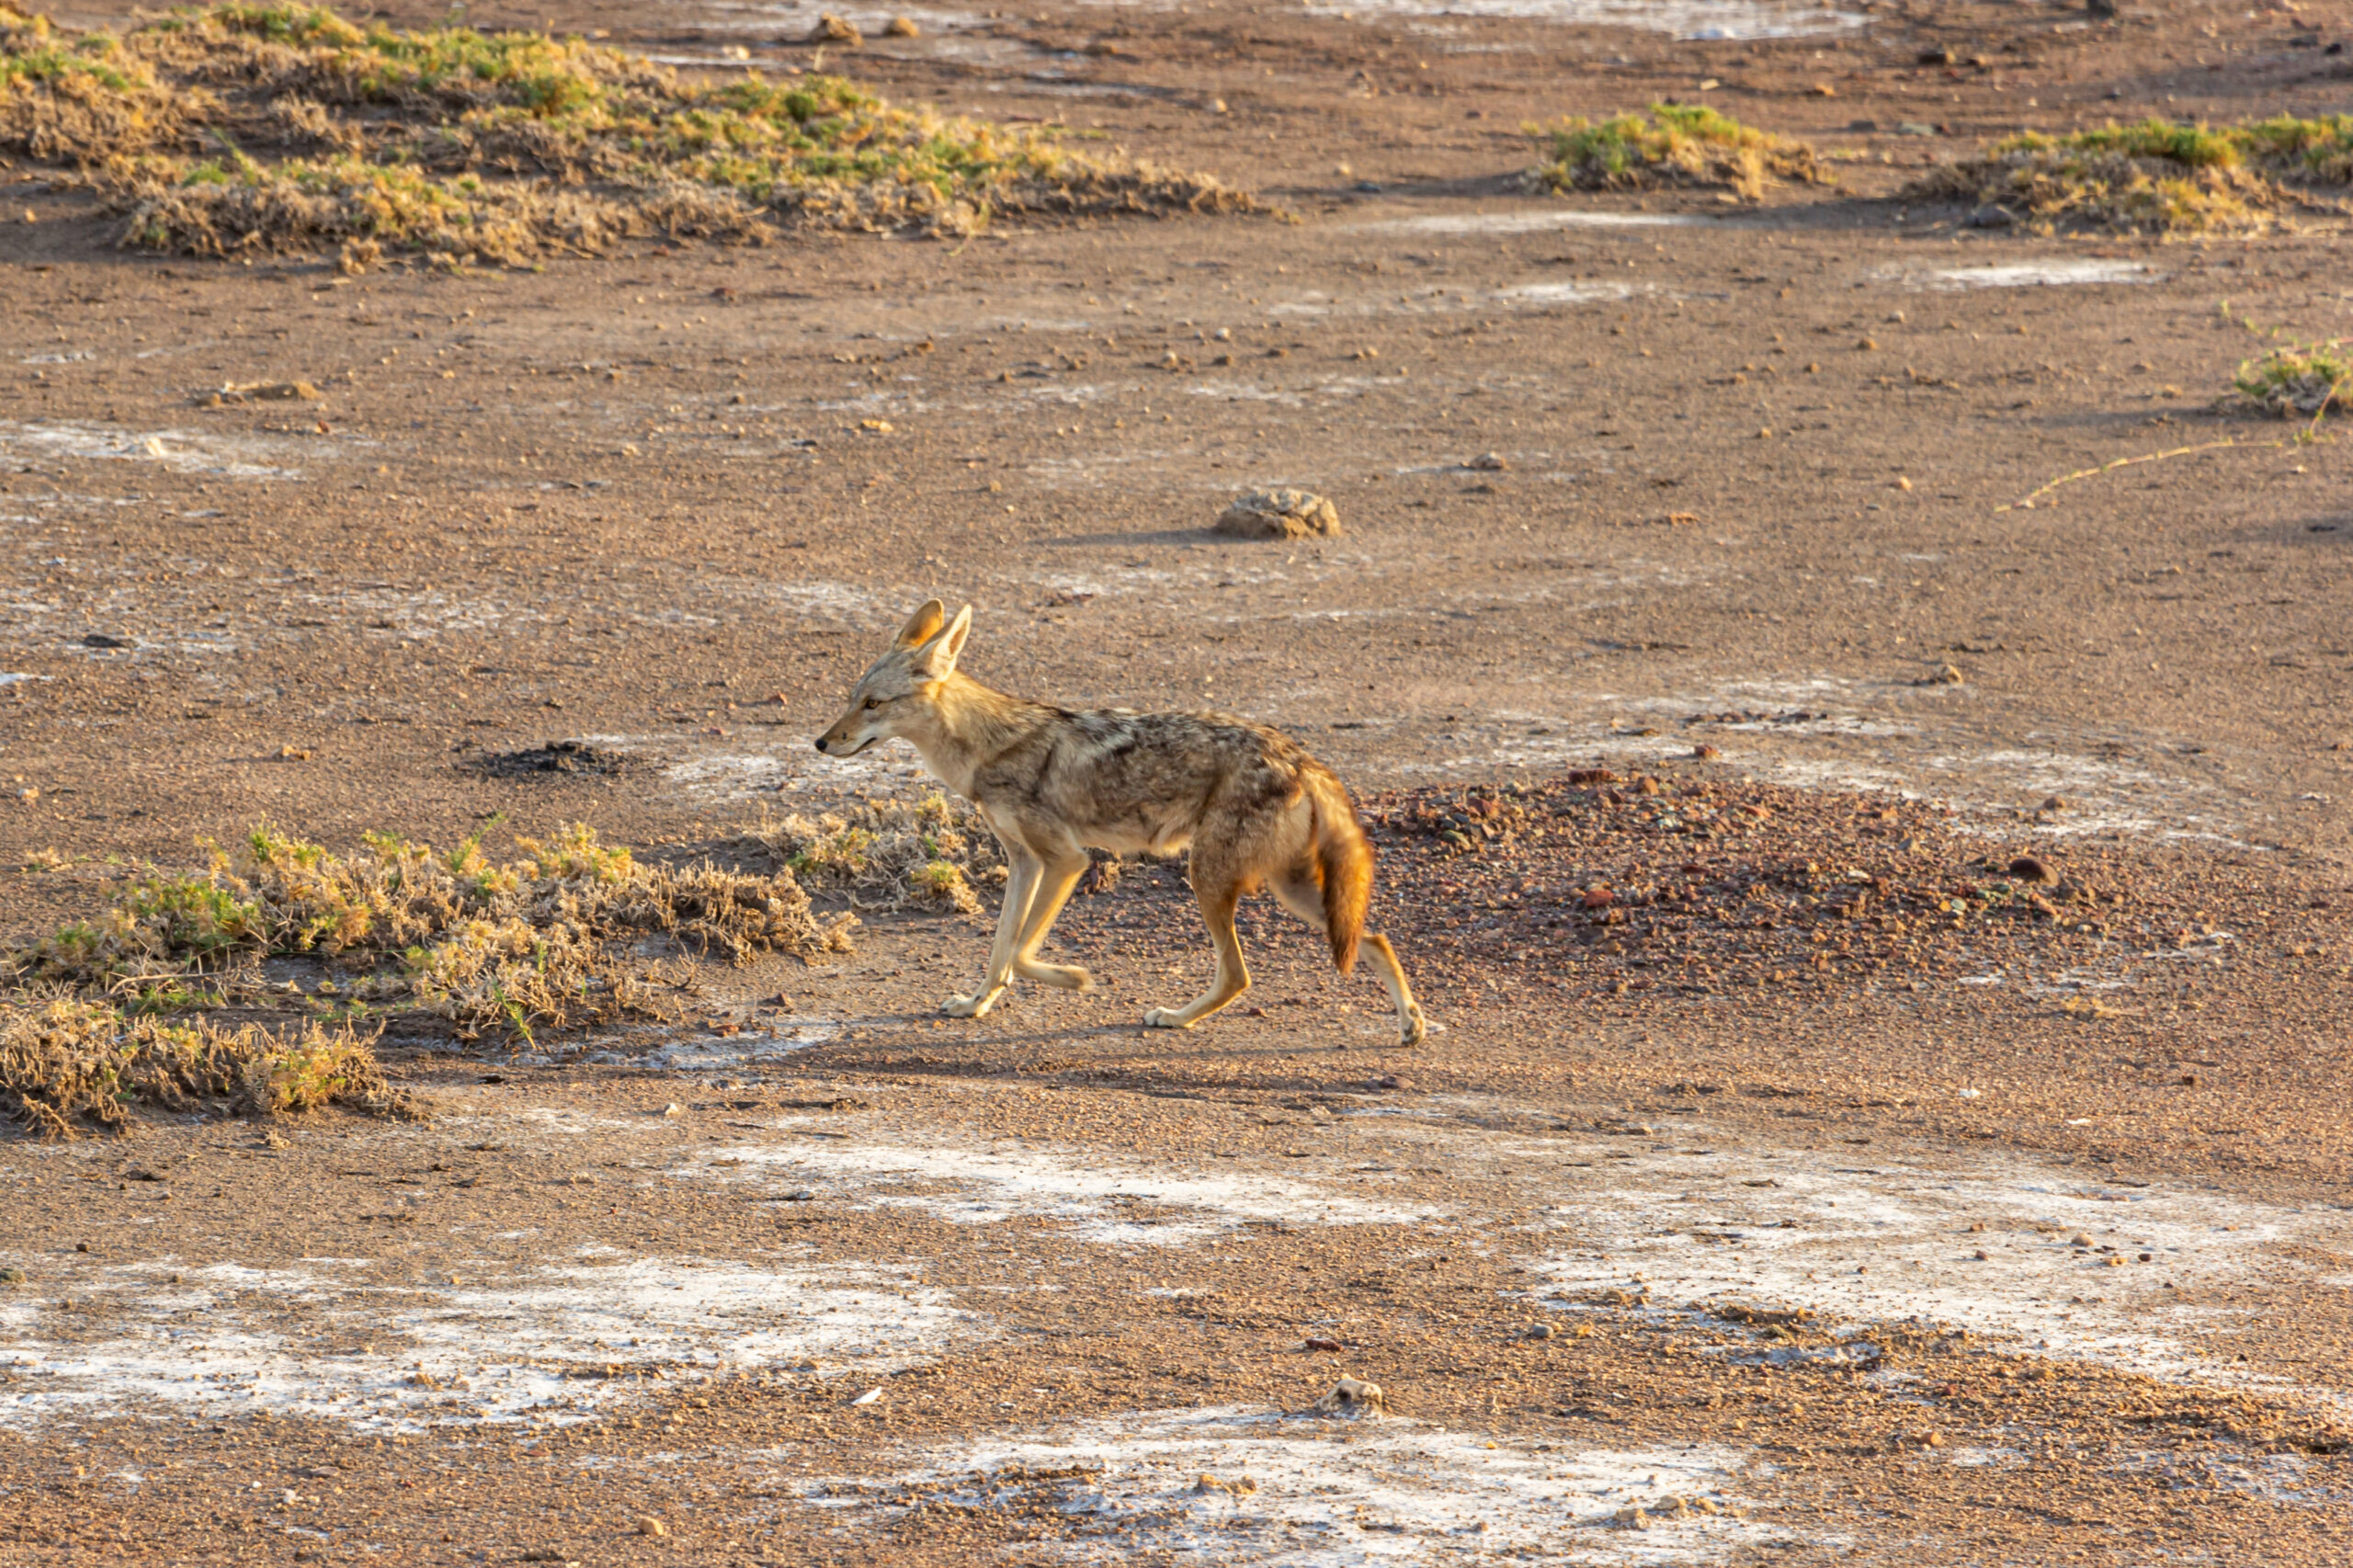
(557, 757)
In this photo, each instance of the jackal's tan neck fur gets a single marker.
(964, 724)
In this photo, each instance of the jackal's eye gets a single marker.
(872, 703)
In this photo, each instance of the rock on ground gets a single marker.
(1280, 514)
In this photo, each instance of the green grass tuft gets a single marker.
(1676, 144)
(2307, 380)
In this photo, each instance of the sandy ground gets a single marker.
(1754, 1232)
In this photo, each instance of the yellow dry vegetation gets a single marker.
(506, 946)
(123, 1008)
(243, 128)
(2158, 177)
(69, 1062)
(886, 854)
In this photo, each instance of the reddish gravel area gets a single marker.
(1699, 886)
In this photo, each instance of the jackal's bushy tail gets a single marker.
(1345, 857)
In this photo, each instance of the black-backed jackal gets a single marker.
(1256, 811)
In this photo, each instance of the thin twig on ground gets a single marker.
(2026, 502)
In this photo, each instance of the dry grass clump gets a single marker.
(890, 854)
(2158, 176)
(360, 209)
(68, 1063)
(2305, 380)
(60, 94)
(244, 127)
(1676, 144)
(514, 946)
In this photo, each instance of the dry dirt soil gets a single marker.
(1795, 1202)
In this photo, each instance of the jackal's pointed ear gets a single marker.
(924, 625)
(937, 658)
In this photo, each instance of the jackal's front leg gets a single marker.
(1020, 886)
(1055, 881)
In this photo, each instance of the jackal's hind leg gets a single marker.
(1303, 897)
(1054, 885)
(1217, 898)
(1412, 1027)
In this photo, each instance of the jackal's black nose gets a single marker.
(821, 743)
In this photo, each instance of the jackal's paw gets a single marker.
(1413, 1028)
(1070, 977)
(971, 1006)
(1166, 1019)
